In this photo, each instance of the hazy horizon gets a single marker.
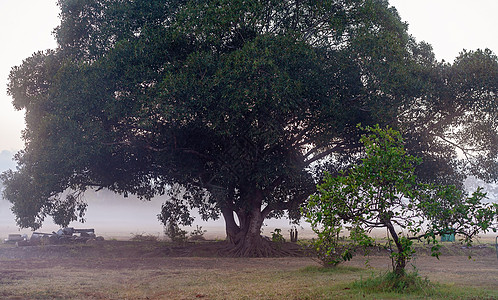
(114, 216)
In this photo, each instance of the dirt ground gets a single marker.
(100, 266)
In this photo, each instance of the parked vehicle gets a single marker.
(62, 236)
(14, 238)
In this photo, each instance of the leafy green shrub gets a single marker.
(330, 249)
(173, 231)
(328, 252)
(276, 236)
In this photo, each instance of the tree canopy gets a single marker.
(232, 107)
(383, 192)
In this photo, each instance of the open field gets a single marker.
(156, 270)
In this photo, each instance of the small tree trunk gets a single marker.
(399, 268)
(400, 260)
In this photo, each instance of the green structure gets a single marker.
(448, 237)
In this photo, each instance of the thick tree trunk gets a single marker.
(245, 239)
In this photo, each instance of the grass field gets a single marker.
(155, 270)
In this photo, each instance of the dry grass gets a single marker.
(180, 283)
(130, 275)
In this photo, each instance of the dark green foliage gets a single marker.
(277, 237)
(230, 107)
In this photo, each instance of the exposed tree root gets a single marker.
(262, 248)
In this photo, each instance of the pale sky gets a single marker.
(26, 27)
(448, 25)
(451, 25)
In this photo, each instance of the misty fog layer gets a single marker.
(111, 215)
(114, 216)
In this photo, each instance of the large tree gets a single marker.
(231, 107)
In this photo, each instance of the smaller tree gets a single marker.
(383, 192)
